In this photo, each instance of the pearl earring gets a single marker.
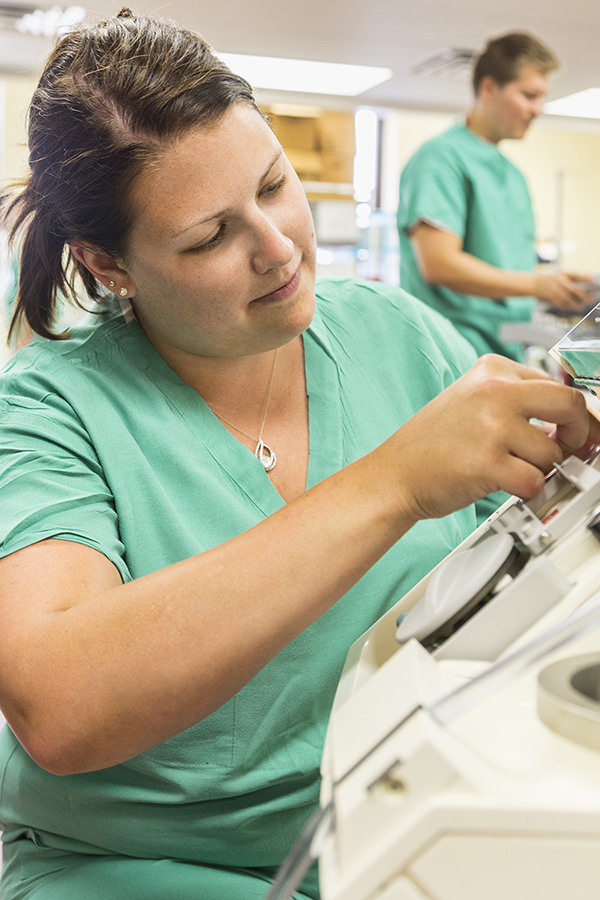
(123, 292)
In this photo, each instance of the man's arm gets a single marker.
(442, 260)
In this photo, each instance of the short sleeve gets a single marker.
(433, 189)
(51, 481)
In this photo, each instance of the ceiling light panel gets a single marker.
(304, 75)
(585, 104)
(50, 22)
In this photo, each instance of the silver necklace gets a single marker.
(262, 451)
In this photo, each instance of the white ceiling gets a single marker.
(394, 33)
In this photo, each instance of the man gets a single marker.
(465, 218)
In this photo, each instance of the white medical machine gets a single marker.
(462, 758)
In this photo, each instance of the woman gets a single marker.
(175, 605)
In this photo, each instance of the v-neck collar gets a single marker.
(324, 403)
(237, 461)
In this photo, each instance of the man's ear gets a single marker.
(105, 269)
(488, 87)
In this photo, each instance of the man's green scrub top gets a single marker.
(461, 183)
(102, 443)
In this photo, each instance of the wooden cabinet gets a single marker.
(320, 144)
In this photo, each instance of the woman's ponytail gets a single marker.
(42, 275)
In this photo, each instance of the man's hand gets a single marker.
(565, 290)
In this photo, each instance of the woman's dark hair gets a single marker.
(112, 97)
(502, 58)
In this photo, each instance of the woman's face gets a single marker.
(222, 253)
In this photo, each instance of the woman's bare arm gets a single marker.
(93, 672)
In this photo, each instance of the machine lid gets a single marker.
(457, 586)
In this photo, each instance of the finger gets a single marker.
(550, 401)
(573, 298)
(529, 443)
(519, 477)
(594, 426)
(577, 276)
(582, 296)
(571, 436)
(565, 406)
(576, 289)
(592, 444)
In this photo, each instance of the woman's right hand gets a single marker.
(476, 437)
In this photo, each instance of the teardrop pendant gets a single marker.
(264, 453)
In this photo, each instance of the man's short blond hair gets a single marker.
(502, 58)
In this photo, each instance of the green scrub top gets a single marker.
(461, 183)
(103, 444)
